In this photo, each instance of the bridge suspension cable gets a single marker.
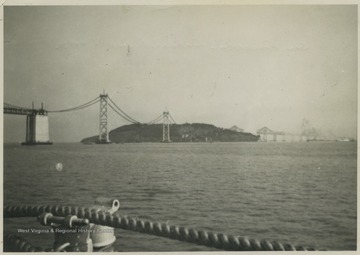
(160, 118)
(156, 120)
(122, 114)
(15, 106)
(171, 118)
(91, 102)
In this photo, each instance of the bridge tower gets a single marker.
(37, 127)
(166, 127)
(103, 126)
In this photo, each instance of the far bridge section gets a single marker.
(268, 135)
(37, 124)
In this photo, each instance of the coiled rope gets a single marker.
(14, 243)
(210, 239)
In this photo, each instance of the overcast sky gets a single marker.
(250, 66)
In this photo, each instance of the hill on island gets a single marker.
(196, 132)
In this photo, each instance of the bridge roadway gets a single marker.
(23, 111)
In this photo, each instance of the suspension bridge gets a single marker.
(37, 121)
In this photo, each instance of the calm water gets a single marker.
(301, 193)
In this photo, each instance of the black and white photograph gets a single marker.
(166, 126)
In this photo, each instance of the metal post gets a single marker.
(32, 126)
(166, 127)
(27, 139)
(103, 130)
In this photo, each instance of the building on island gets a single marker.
(236, 129)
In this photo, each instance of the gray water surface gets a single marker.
(300, 193)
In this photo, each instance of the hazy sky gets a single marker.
(250, 66)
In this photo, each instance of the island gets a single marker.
(195, 132)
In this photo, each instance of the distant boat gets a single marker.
(344, 140)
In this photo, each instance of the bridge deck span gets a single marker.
(23, 111)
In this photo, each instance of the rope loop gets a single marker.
(213, 239)
(234, 243)
(149, 226)
(26, 247)
(166, 231)
(267, 246)
(74, 210)
(175, 232)
(13, 243)
(224, 241)
(289, 247)
(194, 235)
(21, 245)
(109, 219)
(245, 244)
(88, 214)
(102, 217)
(81, 212)
(157, 228)
(48, 208)
(184, 233)
(55, 210)
(300, 248)
(8, 211)
(117, 222)
(67, 210)
(17, 210)
(255, 245)
(204, 237)
(133, 224)
(96, 217)
(278, 246)
(63, 210)
(141, 225)
(125, 222)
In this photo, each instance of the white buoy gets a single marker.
(59, 167)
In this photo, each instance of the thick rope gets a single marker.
(215, 240)
(13, 243)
